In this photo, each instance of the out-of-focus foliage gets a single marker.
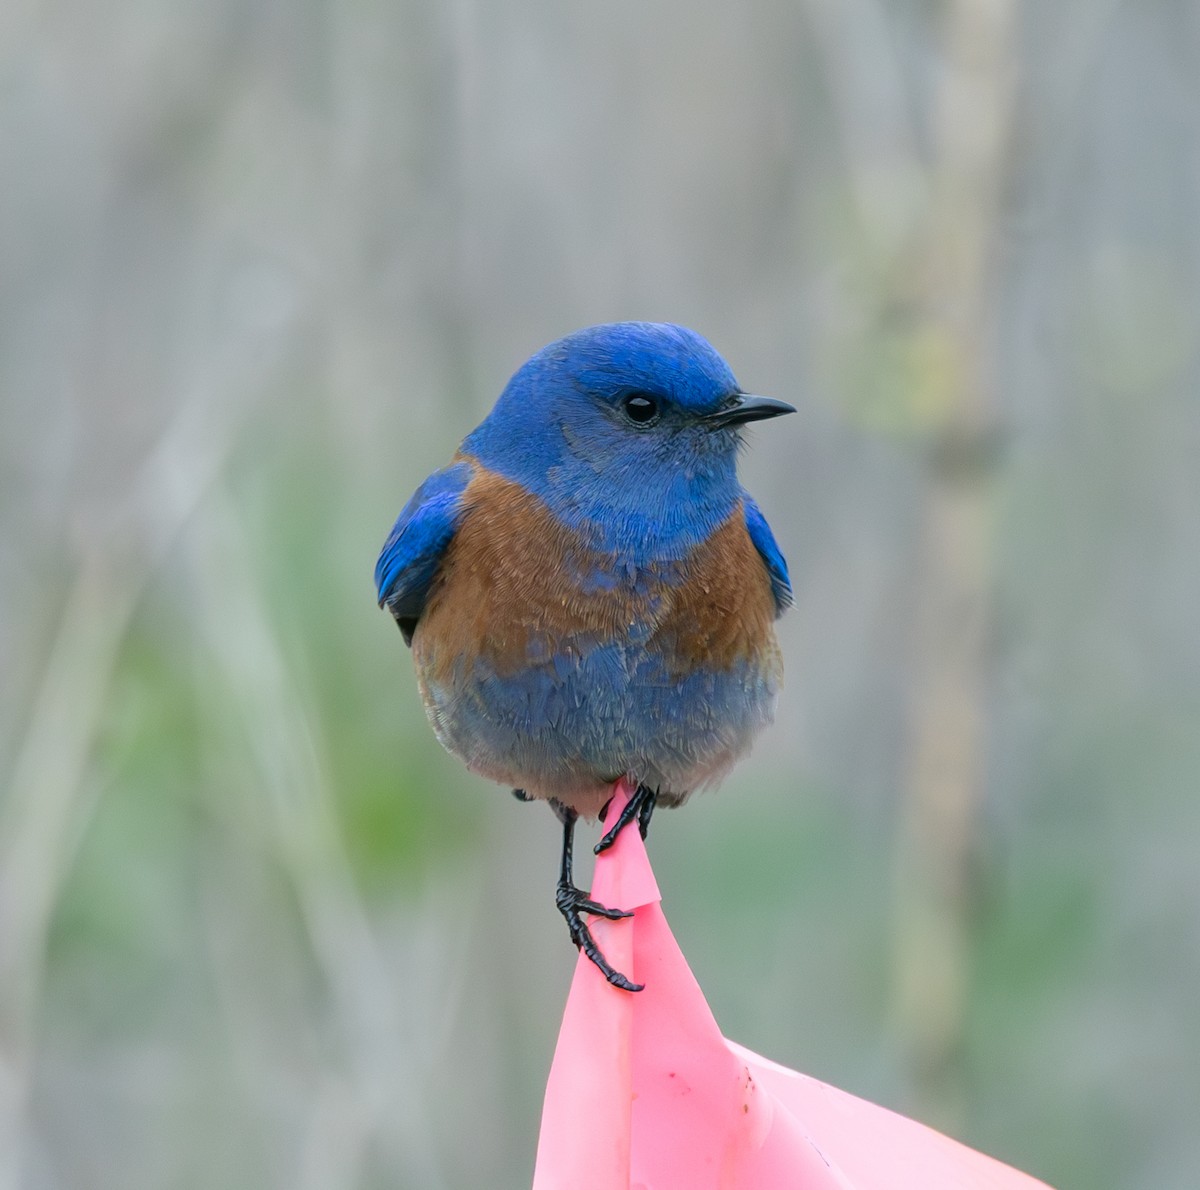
(261, 266)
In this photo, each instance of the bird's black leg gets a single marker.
(646, 811)
(640, 806)
(572, 902)
(522, 796)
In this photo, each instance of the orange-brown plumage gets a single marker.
(724, 613)
(515, 574)
(520, 608)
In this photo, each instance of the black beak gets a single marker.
(742, 408)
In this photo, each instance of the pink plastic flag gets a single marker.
(645, 1094)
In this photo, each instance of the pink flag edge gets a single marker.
(645, 1093)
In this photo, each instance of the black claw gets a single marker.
(582, 937)
(640, 806)
(572, 902)
(522, 796)
(646, 811)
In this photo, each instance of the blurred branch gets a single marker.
(370, 1095)
(49, 799)
(926, 231)
(946, 742)
(871, 106)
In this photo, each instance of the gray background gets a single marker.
(262, 265)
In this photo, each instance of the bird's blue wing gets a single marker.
(410, 556)
(764, 542)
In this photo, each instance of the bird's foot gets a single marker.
(640, 806)
(572, 902)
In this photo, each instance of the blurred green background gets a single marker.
(263, 264)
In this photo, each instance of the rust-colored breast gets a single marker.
(516, 584)
(722, 611)
(509, 580)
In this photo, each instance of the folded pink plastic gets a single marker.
(645, 1094)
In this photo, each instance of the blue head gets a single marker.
(628, 432)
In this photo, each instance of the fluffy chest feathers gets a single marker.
(517, 588)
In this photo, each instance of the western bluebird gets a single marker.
(588, 591)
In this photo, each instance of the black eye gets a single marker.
(640, 408)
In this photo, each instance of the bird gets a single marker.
(588, 591)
